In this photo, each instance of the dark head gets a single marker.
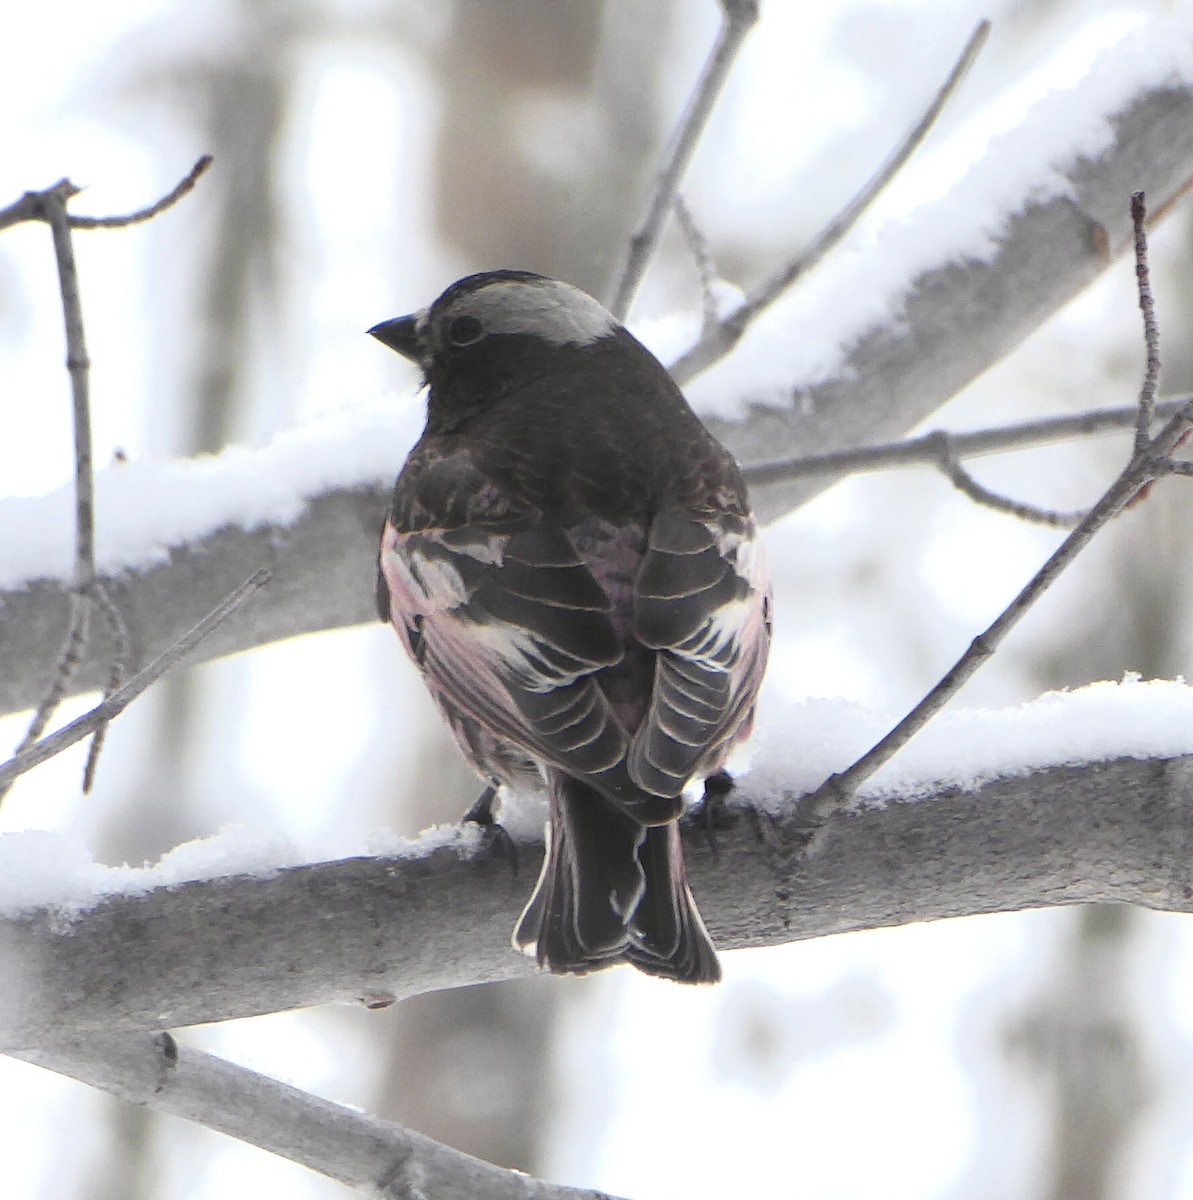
(495, 304)
(523, 359)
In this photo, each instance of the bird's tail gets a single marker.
(613, 890)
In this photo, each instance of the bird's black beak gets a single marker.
(401, 335)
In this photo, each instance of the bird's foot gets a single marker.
(716, 787)
(481, 813)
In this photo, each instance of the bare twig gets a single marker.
(68, 662)
(50, 206)
(116, 676)
(53, 211)
(739, 19)
(716, 342)
(965, 483)
(115, 704)
(180, 189)
(1146, 465)
(698, 245)
(30, 206)
(921, 451)
(1151, 331)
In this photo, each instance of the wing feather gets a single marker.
(702, 602)
(509, 626)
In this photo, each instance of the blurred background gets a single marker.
(368, 152)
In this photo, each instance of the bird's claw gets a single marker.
(481, 813)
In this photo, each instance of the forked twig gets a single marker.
(50, 206)
(921, 451)
(30, 206)
(739, 18)
(94, 720)
(1146, 464)
(716, 342)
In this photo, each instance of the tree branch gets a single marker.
(1149, 460)
(115, 702)
(739, 18)
(345, 932)
(925, 450)
(956, 319)
(87, 589)
(378, 1157)
(718, 338)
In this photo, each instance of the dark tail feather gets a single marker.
(590, 883)
(668, 937)
(611, 889)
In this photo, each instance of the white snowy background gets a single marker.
(903, 1062)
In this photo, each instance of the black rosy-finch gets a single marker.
(571, 561)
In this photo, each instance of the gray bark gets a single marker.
(959, 319)
(378, 1157)
(361, 929)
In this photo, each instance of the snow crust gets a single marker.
(39, 868)
(798, 745)
(995, 170)
(144, 507)
(45, 869)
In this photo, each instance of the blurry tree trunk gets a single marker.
(1082, 1038)
(1080, 1042)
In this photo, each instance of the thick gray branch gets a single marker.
(363, 929)
(959, 318)
(378, 1157)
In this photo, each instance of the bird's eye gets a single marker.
(463, 331)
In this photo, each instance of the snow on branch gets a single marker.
(938, 328)
(896, 332)
(370, 929)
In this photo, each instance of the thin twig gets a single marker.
(715, 343)
(964, 482)
(115, 704)
(68, 662)
(1151, 330)
(739, 18)
(1145, 465)
(30, 207)
(921, 451)
(78, 366)
(50, 206)
(119, 631)
(53, 211)
(698, 245)
(180, 189)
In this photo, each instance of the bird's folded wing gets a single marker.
(702, 601)
(508, 625)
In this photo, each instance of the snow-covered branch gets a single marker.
(938, 310)
(942, 326)
(365, 929)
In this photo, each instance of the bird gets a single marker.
(570, 559)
